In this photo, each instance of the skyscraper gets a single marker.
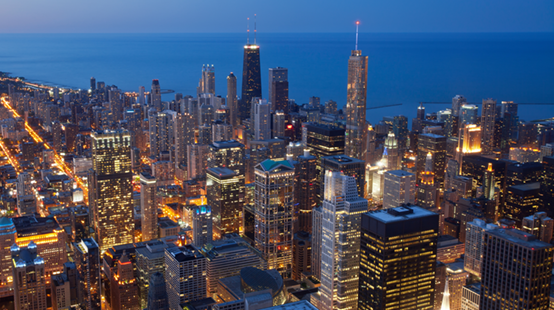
(157, 293)
(475, 238)
(398, 259)
(226, 197)
(392, 159)
(156, 96)
(148, 207)
(251, 78)
(468, 114)
(262, 120)
(305, 191)
(436, 145)
(180, 288)
(228, 154)
(342, 209)
(274, 206)
(87, 261)
(540, 225)
(356, 103)
(517, 268)
(92, 84)
(123, 286)
(202, 225)
(29, 278)
(232, 100)
(207, 81)
(457, 102)
(8, 236)
(112, 188)
(399, 188)
(488, 114)
(279, 89)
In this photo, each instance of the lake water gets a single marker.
(403, 68)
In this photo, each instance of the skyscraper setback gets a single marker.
(251, 77)
(356, 104)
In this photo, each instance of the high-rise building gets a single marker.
(540, 225)
(400, 129)
(184, 135)
(516, 269)
(207, 81)
(157, 293)
(112, 188)
(317, 239)
(509, 112)
(202, 224)
(468, 114)
(228, 154)
(436, 145)
(274, 199)
(399, 188)
(278, 124)
(342, 209)
(522, 201)
(61, 292)
(356, 104)
(398, 259)
(87, 261)
(457, 102)
(156, 96)
(471, 296)
(392, 159)
(148, 207)
(469, 142)
(323, 140)
(232, 100)
(49, 237)
(279, 89)
(197, 160)
(92, 84)
(262, 120)
(185, 275)
(149, 260)
(305, 191)
(226, 198)
(227, 257)
(475, 238)
(301, 254)
(251, 78)
(488, 114)
(331, 107)
(8, 236)
(57, 136)
(160, 131)
(29, 279)
(427, 193)
(347, 165)
(547, 184)
(123, 286)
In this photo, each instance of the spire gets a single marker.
(357, 24)
(248, 30)
(445, 296)
(254, 28)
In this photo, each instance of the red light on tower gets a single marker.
(289, 126)
(357, 22)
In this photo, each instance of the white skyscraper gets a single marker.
(262, 120)
(399, 188)
(342, 209)
(148, 207)
(475, 238)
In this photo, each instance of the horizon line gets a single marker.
(316, 32)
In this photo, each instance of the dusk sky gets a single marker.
(140, 16)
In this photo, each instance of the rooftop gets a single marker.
(400, 173)
(299, 305)
(399, 214)
(520, 238)
(221, 171)
(526, 187)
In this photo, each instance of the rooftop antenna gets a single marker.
(254, 28)
(248, 30)
(357, 24)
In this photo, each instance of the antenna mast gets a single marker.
(357, 24)
(255, 28)
(248, 30)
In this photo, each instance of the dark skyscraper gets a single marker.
(232, 101)
(356, 104)
(398, 259)
(157, 294)
(251, 78)
(156, 96)
(279, 89)
(92, 84)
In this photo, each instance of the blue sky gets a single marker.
(140, 16)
